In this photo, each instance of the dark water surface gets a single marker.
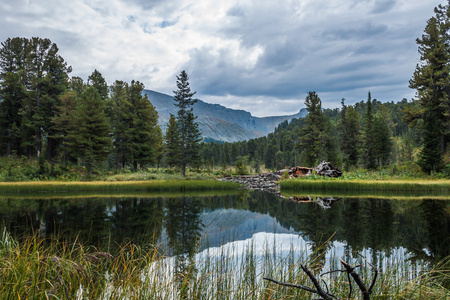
(185, 224)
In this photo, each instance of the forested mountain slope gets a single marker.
(219, 123)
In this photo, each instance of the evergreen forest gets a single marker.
(56, 124)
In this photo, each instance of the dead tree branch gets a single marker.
(327, 295)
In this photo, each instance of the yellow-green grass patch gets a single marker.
(100, 186)
(336, 184)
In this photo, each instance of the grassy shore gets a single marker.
(116, 186)
(346, 184)
(368, 194)
(33, 268)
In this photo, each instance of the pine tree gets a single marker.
(382, 143)
(146, 135)
(431, 79)
(12, 93)
(316, 140)
(190, 135)
(173, 143)
(120, 115)
(430, 158)
(42, 75)
(89, 139)
(62, 120)
(368, 138)
(352, 135)
(97, 80)
(343, 134)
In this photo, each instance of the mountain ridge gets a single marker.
(219, 123)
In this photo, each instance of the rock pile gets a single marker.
(269, 182)
(263, 182)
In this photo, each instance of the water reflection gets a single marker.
(185, 225)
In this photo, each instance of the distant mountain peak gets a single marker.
(219, 123)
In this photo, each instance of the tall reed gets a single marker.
(35, 268)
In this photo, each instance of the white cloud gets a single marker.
(262, 56)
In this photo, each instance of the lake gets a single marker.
(214, 245)
(190, 224)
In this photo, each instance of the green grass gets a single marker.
(33, 268)
(115, 186)
(345, 184)
(368, 194)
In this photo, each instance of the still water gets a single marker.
(187, 224)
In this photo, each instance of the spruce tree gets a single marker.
(12, 95)
(89, 139)
(62, 121)
(368, 138)
(173, 143)
(121, 118)
(431, 79)
(430, 158)
(316, 140)
(42, 75)
(97, 81)
(352, 135)
(382, 143)
(146, 135)
(190, 135)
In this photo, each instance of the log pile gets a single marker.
(328, 170)
(299, 172)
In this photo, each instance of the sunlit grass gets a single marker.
(367, 194)
(148, 186)
(338, 184)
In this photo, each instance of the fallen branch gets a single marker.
(327, 295)
(319, 291)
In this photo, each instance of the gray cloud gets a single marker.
(262, 56)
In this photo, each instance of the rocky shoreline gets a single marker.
(264, 182)
(270, 182)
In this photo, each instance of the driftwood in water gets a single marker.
(326, 295)
(324, 202)
(328, 170)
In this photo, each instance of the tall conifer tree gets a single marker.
(190, 136)
(146, 135)
(368, 138)
(431, 79)
(90, 139)
(315, 137)
(97, 80)
(173, 143)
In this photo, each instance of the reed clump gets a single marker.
(35, 268)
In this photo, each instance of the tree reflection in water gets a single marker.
(376, 225)
(184, 230)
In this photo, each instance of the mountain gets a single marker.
(219, 123)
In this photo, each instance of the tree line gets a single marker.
(46, 114)
(369, 134)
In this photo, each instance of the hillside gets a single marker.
(219, 123)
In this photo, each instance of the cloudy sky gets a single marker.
(262, 56)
